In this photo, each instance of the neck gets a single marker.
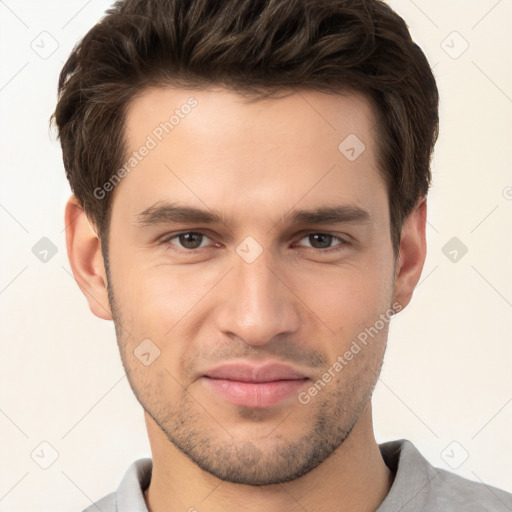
(354, 477)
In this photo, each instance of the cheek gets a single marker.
(154, 300)
(346, 296)
(350, 301)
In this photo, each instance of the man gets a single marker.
(249, 204)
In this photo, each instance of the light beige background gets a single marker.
(446, 382)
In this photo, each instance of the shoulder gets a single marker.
(461, 494)
(419, 486)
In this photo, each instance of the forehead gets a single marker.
(214, 147)
(217, 111)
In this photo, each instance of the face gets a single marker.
(249, 254)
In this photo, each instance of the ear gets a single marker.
(413, 249)
(84, 253)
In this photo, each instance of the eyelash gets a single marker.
(340, 246)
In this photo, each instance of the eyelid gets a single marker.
(341, 240)
(166, 239)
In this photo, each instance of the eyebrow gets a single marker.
(166, 213)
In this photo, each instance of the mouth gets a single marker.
(256, 386)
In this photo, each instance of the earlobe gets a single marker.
(413, 249)
(86, 260)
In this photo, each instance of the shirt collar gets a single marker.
(410, 489)
(130, 493)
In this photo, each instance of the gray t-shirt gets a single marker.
(417, 487)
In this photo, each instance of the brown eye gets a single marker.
(188, 240)
(322, 241)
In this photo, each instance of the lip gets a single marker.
(256, 386)
(246, 372)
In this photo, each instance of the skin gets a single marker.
(297, 302)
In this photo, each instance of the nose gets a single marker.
(257, 304)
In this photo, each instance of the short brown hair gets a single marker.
(254, 47)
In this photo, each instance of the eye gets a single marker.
(188, 240)
(323, 241)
